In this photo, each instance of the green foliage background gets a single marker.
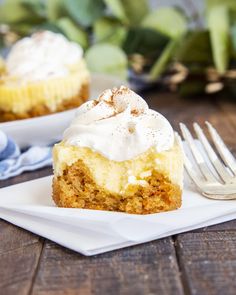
(118, 35)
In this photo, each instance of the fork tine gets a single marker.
(221, 147)
(219, 167)
(197, 155)
(188, 165)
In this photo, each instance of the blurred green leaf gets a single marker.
(85, 12)
(219, 27)
(135, 10)
(73, 32)
(129, 11)
(146, 42)
(36, 7)
(109, 30)
(231, 5)
(233, 34)
(196, 48)
(22, 29)
(1, 47)
(12, 11)
(212, 3)
(168, 21)
(233, 40)
(55, 9)
(48, 27)
(117, 9)
(160, 65)
(22, 11)
(107, 58)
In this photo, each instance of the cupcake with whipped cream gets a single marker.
(43, 74)
(118, 155)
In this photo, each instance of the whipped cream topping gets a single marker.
(120, 126)
(43, 55)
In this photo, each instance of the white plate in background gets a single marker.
(49, 129)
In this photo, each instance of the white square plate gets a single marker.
(30, 206)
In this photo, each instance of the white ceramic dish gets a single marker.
(48, 129)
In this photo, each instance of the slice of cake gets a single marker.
(118, 155)
(42, 74)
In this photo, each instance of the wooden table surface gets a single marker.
(198, 262)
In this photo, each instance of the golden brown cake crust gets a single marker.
(41, 110)
(77, 189)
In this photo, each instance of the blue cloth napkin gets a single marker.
(13, 162)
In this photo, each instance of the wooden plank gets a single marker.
(19, 249)
(226, 226)
(17, 269)
(208, 262)
(26, 176)
(13, 237)
(228, 110)
(144, 269)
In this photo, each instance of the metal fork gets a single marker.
(222, 187)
